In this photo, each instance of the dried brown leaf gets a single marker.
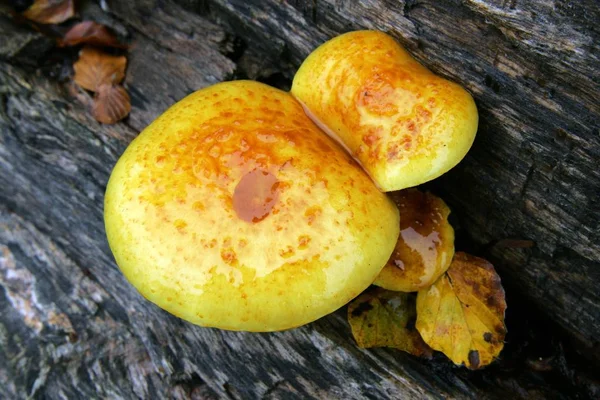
(111, 104)
(90, 32)
(95, 68)
(50, 11)
(462, 313)
(382, 318)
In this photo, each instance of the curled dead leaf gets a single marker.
(50, 11)
(425, 246)
(382, 318)
(90, 32)
(462, 313)
(95, 68)
(111, 104)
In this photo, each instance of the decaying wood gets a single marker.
(72, 327)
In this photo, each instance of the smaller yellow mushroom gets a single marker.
(425, 247)
(404, 124)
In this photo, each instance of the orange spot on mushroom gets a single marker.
(303, 242)
(255, 195)
(423, 115)
(312, 213)
(180, 225)
(324, 146)
(228, 256)
(287, 252)
(370, 139)
(378, 97)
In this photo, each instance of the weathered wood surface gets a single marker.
(71, 326)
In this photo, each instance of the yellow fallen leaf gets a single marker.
(462, 313)
(383, 318)
(425, 246)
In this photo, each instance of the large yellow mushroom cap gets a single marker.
(233, 210)
(403, 123)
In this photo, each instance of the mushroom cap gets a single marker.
(425, 246)
(233, 210)
(403, 123)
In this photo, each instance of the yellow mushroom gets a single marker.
(233, 210)
(403, 123)
(425, 247)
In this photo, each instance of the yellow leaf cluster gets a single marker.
(460, 303)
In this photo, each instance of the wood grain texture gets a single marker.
(72, 327)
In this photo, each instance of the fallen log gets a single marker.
(525, 197)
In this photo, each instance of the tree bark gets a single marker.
(71, 326)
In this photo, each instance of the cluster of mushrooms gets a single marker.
(244, 207)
